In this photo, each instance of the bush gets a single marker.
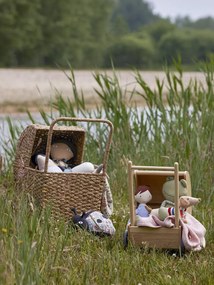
(130, 51)
(188, 44)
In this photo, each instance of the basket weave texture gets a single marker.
(62, 191)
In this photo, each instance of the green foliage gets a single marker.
(189, 44)
(86, 33)
(20, 31)
(119, 27)
(174, 126)
(74, 31)
(178, 125)
(130, 51)
(200, 24)
(135, 13)
(204, 23)
(159, 28)
(53, 33)
(41, 250)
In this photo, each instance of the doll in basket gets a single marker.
(61, 154)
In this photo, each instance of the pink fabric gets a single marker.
(153, 222)
(193, 232)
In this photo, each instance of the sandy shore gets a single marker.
(30, 88)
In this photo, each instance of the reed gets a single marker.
(177, 126)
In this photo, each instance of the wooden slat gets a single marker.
(131, 194)
(177, 212)
(143, 167)
(157, 172)
(155, 237)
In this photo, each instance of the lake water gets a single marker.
(16, 119)
(19, 86)
(21, 120)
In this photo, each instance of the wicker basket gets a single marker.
(62, 191)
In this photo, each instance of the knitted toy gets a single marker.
(168, 191)
(94, 222)
(184, 203)
(142, 197)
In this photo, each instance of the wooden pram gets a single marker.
(155, 176)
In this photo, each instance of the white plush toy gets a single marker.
(52, 167)
(83, 167)
(61, 153)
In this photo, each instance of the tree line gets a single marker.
(97, 34)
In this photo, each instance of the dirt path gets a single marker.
(29, 88)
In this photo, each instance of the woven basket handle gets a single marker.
(50, 133)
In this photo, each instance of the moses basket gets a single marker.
(62, 191)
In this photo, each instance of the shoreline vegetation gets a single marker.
(37, 249)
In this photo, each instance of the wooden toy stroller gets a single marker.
(163, 237)
(62, 191)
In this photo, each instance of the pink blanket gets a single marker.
(193, 232)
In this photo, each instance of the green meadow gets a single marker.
(174, 126)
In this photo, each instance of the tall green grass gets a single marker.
(176, 126)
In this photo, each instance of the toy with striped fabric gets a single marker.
(184, 203)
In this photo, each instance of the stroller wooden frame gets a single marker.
(155, 176)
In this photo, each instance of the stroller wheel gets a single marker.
(125, 239)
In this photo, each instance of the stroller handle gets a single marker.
(73, 119)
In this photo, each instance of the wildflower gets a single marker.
(4, 230)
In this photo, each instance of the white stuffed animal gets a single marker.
(52, 167)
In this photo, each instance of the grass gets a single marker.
(36, 249)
